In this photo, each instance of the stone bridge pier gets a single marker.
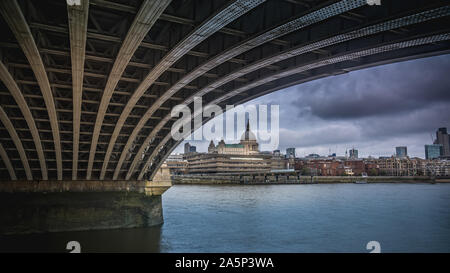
(53, 206)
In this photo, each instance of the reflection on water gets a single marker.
(119, 240)
(277, 218)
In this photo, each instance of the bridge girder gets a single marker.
(14, 90)
(78, 21)
(214, 23)
(293, 52)
(7, 162)
(15, 138)
(144, 20)
(165, 146)
(13, 15)
(260, 38)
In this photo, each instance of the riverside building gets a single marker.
(242, 157)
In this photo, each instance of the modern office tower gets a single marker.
(353, 153)
(187, 147)
(401, 151)
(442, 138)
(433, 151)
(290, 152)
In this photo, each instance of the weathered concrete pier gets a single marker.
(52, 206)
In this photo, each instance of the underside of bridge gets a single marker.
(87, 87)
(86, 90)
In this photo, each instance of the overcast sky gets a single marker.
(373, 110)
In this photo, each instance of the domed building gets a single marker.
(247, 146)
(248, 140)
(242, 157)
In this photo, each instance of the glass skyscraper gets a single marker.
(353, 153)
(433, 151)
(401, 151)
(290, 152)
(443, 138)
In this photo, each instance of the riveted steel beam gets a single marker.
(78, 21)
(315, 46)
(16, 139)
(14, 90)
(214, 23)
(7, 162)
(259, 39)
(12, 14)
(295, 51)
(144, 20)
(115, 39)
(312, 65)
(175, 19)
(331, 60)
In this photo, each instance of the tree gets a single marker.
(306, 171)
(373, 172)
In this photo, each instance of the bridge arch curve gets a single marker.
(96, 83)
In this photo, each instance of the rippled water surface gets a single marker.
(277, 218)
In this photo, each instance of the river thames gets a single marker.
(277, 218)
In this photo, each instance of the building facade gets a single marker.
(397, 166)
(401, 151)
(443, 139)
(290, 152)
(242, 157)
(177, 164)
(188, 148)
(433, 151)
(353, 153)
(208, 163)
(247, 146)
(436, 167)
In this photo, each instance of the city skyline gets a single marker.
(372, 110)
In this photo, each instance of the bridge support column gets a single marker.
(53, 206)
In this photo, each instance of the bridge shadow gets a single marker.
(118, 240)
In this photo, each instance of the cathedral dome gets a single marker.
(248, 135)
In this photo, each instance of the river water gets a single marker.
(277, 218)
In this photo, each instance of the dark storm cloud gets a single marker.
(425, 120)
(405, 125)
(387, 90)
(373, 109)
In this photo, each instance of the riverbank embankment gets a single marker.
(293, 179)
